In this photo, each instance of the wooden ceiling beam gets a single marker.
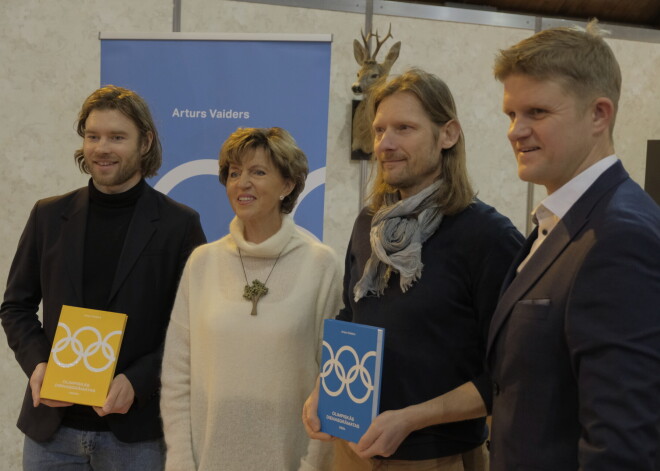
(644, 13)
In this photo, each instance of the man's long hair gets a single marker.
(438, 103)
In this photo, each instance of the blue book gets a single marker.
(351, 365)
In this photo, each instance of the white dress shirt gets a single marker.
(555, 206)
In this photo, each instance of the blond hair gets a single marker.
(578, 59)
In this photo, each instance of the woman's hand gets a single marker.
(310, 416)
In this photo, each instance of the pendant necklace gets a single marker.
(257, 289)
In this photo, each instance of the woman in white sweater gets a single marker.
(242, 348)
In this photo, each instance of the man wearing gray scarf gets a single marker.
(426, 261)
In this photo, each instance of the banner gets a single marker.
(201, 88)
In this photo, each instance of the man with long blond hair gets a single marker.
(425, 261)
(574, 345)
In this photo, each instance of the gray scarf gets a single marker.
(398, 230)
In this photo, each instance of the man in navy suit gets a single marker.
(574, 343)
(115, 245)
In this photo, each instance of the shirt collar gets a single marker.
(559, 202)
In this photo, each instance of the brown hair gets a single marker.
(282, 149)
(131, 105)
(438, 103)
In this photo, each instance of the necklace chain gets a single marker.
(255, 291)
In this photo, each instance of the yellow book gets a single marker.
(84, 355)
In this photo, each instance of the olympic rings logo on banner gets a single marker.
(333, 364)
(84, 354)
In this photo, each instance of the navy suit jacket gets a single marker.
(574, 343)
(48, 266)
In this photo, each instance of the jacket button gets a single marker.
(496, 388)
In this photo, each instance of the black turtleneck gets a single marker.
(107, 223)
(108, 218)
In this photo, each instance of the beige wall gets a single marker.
(49, 53)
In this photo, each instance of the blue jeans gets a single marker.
(79, 450)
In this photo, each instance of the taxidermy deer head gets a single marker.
(370, 72)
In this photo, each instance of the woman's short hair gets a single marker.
(282, 149)
(133, 106)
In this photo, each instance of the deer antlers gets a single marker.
(379, 42)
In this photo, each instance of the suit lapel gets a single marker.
(73, 238)
(140, 231)
(544, 256)
(556, 242)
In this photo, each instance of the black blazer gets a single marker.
(574, 343)
(48, 266)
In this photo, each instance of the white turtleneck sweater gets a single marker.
(234, 384)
